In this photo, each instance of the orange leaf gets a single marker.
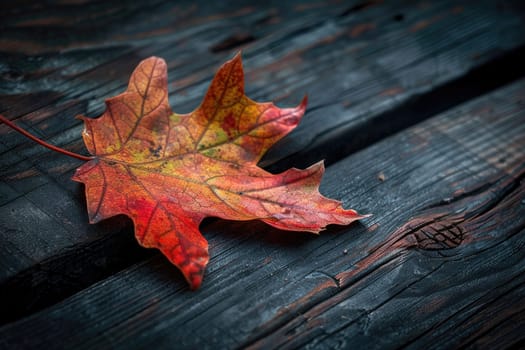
(168, 171)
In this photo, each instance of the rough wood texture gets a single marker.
(439, 264)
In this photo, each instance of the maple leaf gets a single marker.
(169, 171)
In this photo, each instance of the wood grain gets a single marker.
(439, 265)
(375, 284)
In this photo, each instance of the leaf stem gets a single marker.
(41, 142)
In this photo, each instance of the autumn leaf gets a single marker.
(169, 171)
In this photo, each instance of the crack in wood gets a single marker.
(232, 42)
(359, 7)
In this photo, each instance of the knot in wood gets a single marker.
(438, 235)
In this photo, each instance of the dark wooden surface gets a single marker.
(418, 108)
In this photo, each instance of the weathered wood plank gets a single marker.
(443, 248)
